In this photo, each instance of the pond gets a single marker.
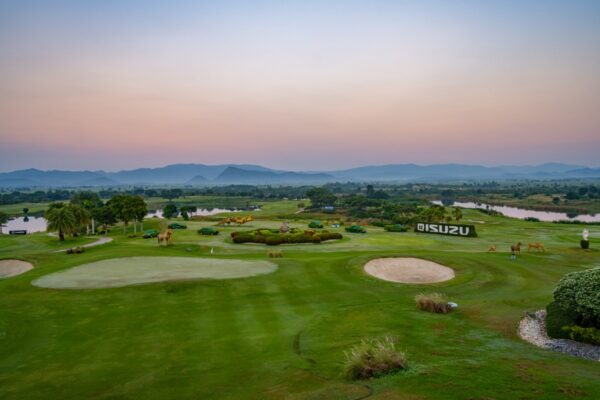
(30, 224)
(38, 224)
(203, 212)
(523, 213)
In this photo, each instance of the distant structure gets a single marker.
(284, 228)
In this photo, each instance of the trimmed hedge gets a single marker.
(315, 225)
(557, 319)
(356, 229)
(176, 225)
(274, 238)
(396, 228)
(580, 334)
(579, 292)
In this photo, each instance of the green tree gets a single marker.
(170, 211)
(89, 201)
(139, 209)
(320, 197)
(61, 218)
(105, 216)
(3, 220)
(121, 207)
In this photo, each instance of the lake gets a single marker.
(523, 213)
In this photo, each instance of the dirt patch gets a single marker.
(408, 270)
(10, 268)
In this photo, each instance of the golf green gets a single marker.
(117, 272)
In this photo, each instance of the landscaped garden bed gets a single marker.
(274, 237)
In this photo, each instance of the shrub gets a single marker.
(557, 318)
(579, 292)
(243, 238)
(532, 219)
(315, 225)
(373, 358)
(581, 334)
(396, 228)
(433, 302)
(273, 240)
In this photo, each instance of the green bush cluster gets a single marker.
(395, 228)
(177, 225)
(272, 237)
(557, 318)
(356, 229)
(579, 292)
(575, 312)
(315, 225)
(581, 334)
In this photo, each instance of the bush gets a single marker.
(557, 319)
(579, 292)
(176, 225)
(433, 302)
(532, 219)
(373, 358)
(581, 334)
(315, 225)
(396, 228)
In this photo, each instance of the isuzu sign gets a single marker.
(446, 229)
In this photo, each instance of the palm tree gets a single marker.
(62, 219)
(82, 216)
(3, 220)
(457, 214)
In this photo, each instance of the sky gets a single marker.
(300, 85)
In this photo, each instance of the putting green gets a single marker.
(126, 271)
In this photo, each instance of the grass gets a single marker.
(284, 334)
(373, 358)
(433, 302)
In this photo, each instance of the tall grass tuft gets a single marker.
(373, 358)
(433, 302)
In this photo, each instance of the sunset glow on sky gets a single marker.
(298, 85)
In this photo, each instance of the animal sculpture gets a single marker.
(536, 246)
(165, 237)
(237, 220)
(492, 248)
(516, 248)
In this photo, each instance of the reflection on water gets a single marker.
(202, 212)
(38, 224)
(30, 224)
(522, 213)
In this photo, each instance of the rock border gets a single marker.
(532, 329)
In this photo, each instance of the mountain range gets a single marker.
(226, 174)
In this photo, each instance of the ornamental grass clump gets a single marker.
(372, 358)
(433, 302)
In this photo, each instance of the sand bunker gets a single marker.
(118, 272)
(10, 268)
(408, 270)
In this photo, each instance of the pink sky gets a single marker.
(299, 87)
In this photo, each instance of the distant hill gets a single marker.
(240, 175)
(226, 174)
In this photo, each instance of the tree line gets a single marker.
(86, 211)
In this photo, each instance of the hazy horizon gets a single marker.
(298, 85)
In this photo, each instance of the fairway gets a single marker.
(167, 322)
(126, 271)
